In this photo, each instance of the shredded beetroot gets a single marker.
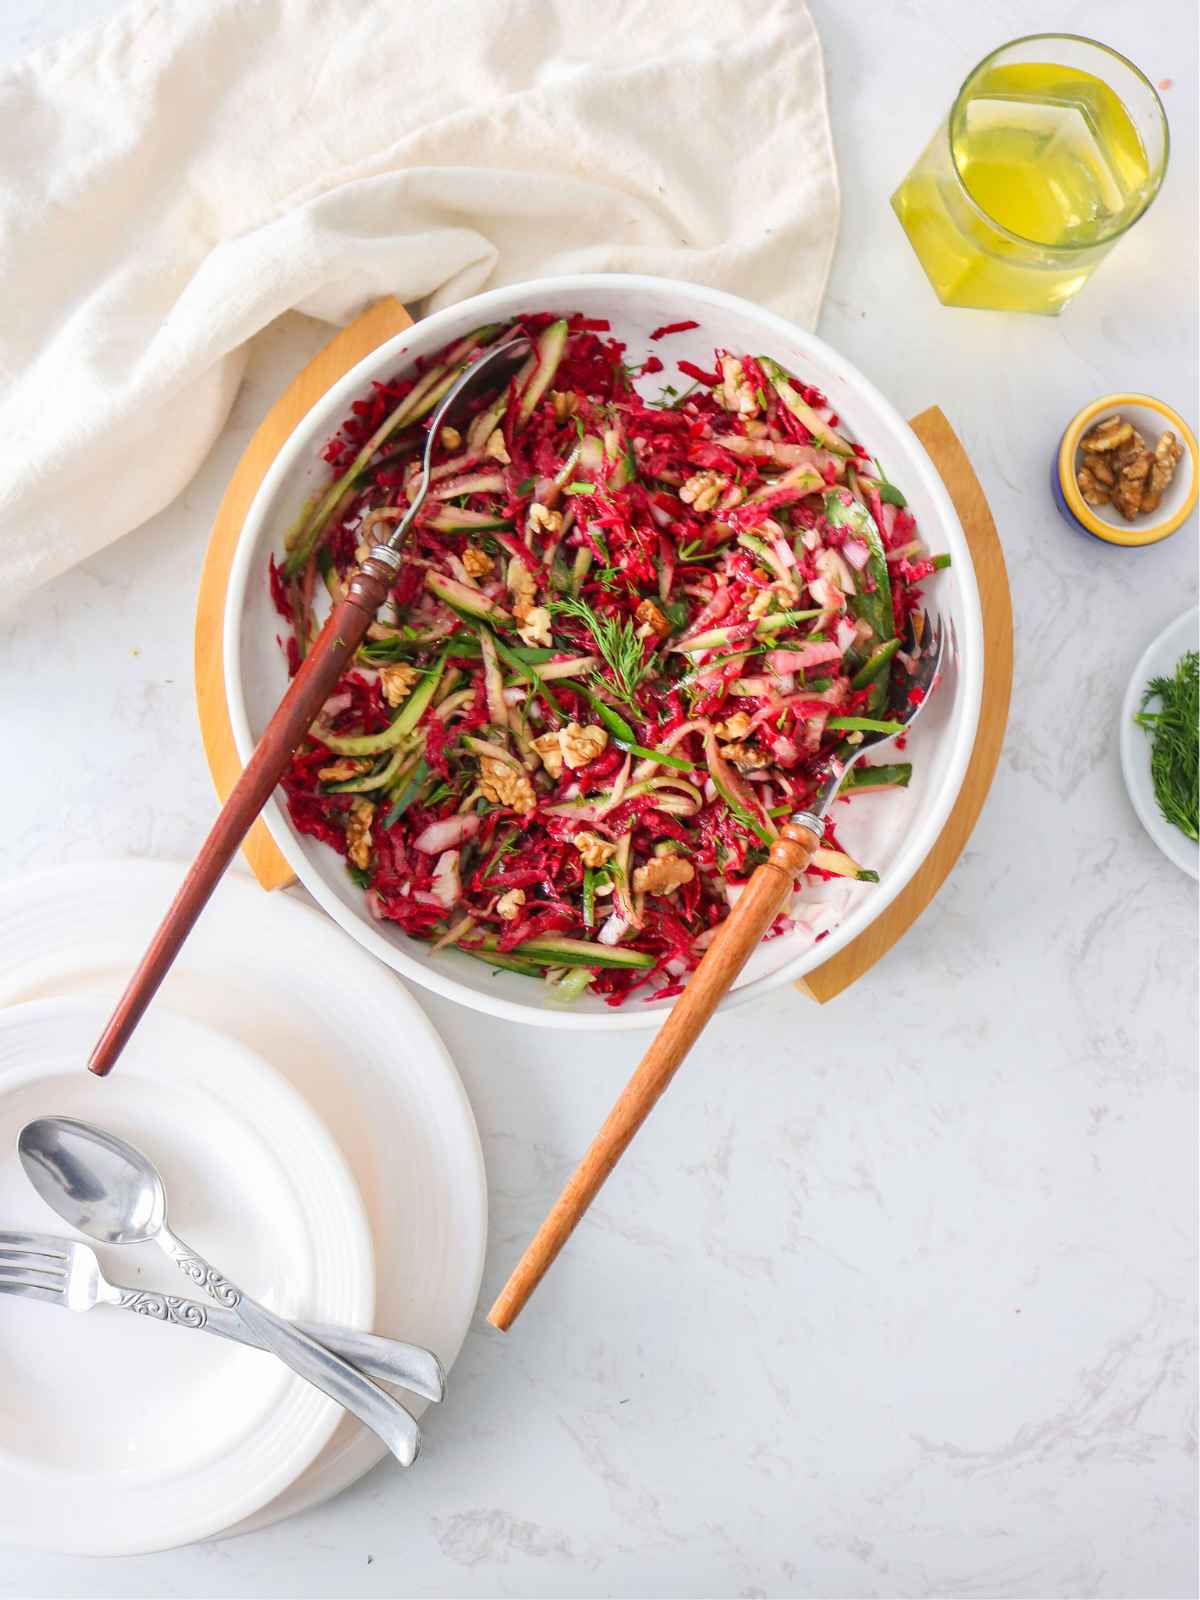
(691, 370)
(618, 560)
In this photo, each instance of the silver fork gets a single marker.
(63, 1272)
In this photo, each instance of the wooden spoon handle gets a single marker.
(306, 694)
(756, 909)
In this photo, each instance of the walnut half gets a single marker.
(506, 784)
(358, 833)
(663, 874)
(594, 850)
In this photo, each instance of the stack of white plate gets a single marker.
(317, 1145)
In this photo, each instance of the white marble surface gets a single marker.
(894, 1298)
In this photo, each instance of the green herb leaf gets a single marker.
(617, 641)
(1175, 743)
(408, 794)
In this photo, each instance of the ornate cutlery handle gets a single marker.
(308, 1359)
(407, 1365)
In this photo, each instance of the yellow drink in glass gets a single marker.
(1053, 148)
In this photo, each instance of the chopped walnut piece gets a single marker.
(533, 625)
(565, 403)
(550, 751)
(663, 874)
(521, 584)
(542, 517)
(1092, 487)
(761, 604)
(477, 562)
(397, 682)
(702, 490)
(506, 784)
(1168, 453)
(1100, 468)
(450, 438)
(358, 833)
(496, 448)
(594, 850)
(736, 727)
(746, 756)
(1107, 434)
(1127, 496)
(508, 907)
(736, 392)
(580, 745)
(651, 619)
(345, 769)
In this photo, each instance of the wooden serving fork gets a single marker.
(306, 694)
(763, 898)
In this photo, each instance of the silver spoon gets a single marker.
(309, 689)
(112, 1192)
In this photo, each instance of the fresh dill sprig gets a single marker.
(1175, 743)
(617, 641)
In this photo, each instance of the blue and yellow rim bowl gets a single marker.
(1075, 509)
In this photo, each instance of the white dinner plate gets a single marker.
(118, 1433)
(278, 975)
(1158, 661)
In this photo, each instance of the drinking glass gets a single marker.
(1054, 147)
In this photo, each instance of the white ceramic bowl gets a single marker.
(891, 832)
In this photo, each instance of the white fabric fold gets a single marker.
(178, 177)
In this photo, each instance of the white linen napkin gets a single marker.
(181, 175)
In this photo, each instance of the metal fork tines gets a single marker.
(28, 1268)
(67, 1273)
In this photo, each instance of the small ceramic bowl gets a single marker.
(1151, 418)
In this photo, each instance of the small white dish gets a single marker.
(892, 837)
(1159, 660)
(273, 972)
(120, 1435)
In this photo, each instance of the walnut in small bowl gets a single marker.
(1117, 467)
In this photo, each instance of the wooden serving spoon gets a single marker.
(763, 898)
(306, 694)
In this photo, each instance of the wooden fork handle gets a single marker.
(306, 694)
(757, 907)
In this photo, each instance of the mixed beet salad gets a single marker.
(629, 635)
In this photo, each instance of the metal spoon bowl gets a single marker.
(94, 1181)
(110, 1191)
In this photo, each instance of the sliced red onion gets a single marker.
(809, 655)
(447, 883)
(612, 931)
(444, 835)
(846, 634)
(856, 553)
(335, 704)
